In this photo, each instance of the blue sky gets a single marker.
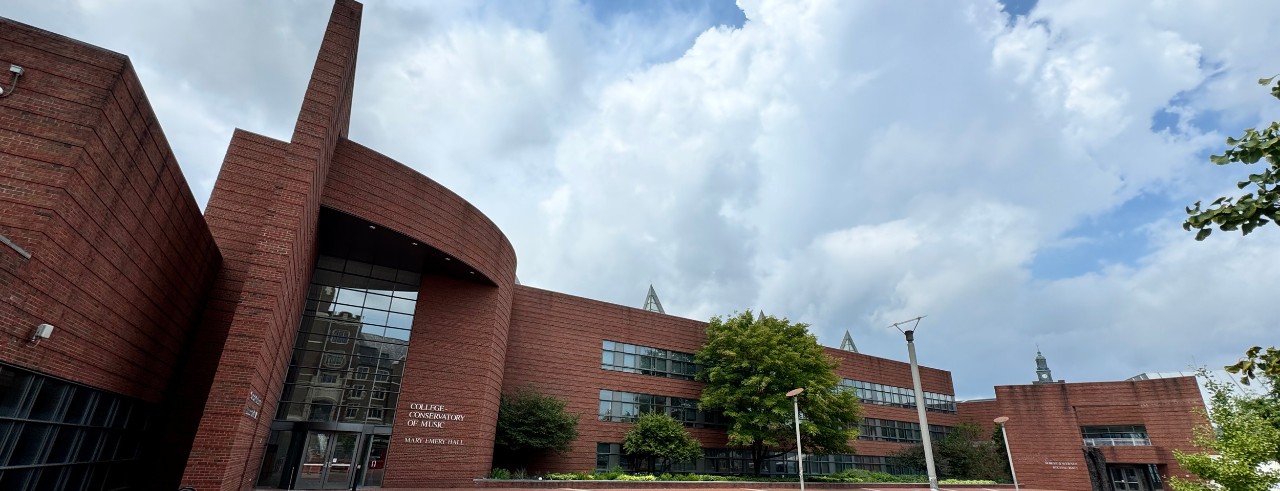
(1015, 172)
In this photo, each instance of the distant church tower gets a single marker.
(1043, 374)
(651, 302)
(847, 343)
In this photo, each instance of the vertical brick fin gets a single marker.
(263, 213)
(326, 107)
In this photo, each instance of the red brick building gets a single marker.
(332, 319)
(1096, 434)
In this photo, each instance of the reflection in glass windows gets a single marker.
(349, 356)
(887, 430)
(60, 435)
(632, 358)
(888, 395)
(628, 406)
(734, 461)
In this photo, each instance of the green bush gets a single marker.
(499, 473)
(645, 477)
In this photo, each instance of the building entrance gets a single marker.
(328, 460)
(1128, 478)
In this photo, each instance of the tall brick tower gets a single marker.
(265, 227)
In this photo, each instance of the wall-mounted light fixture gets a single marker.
(42, 331)
(17, 72)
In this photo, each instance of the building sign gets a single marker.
(1062, 465)
(255, 401)
(431, 416)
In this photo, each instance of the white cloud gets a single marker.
(846, 164)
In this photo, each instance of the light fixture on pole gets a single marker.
(1008, 451)
(794, 394)
(920, 402)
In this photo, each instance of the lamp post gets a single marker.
(1008, 451)
(925, 438)
(794, 394)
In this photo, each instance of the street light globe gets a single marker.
(1002, 419)
(794, 392)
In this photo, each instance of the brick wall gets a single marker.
(121, 258)
(555, 346)
(263, 213)
(1045, 421)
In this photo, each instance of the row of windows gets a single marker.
(59, 435)
(738, 462)
(888, 395)
(888, 430)
(1115, 435)
(645, 360)
(626, 407)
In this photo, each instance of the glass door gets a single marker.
(1126, 479)
(327, 460)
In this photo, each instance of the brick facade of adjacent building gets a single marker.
(1046, 420)
(193, 319)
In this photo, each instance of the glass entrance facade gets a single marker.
(334, 418)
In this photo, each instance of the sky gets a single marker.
(1016, 173)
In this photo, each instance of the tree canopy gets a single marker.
(530, 422)
(1243, 440)
(1257, 207)
(661, 441)
(964, 453)
(750, 363)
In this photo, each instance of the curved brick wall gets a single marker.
(372, 186)
(459, 344)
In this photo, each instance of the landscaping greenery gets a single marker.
(749, 363)
(849, 476)
(659, 440)
(531, 423)
(1242, 445)
(965, 453)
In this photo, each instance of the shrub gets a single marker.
(499, 473)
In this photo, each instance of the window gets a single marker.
(348, 310)
(339, 336)
(1115, 436)
(888, 395)
(352, 412)
(334, 360)
(48, 424)
(645, 360)
(888, 430)
(378, 394)
(626, 407)
(375, 413)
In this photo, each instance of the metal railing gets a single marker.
(1118, 442)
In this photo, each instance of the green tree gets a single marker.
(657, 439)
(964, 453)
(530, 423)
(749, 364)
(1239, 441)
(1253, 209)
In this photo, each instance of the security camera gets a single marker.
(15, 69)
